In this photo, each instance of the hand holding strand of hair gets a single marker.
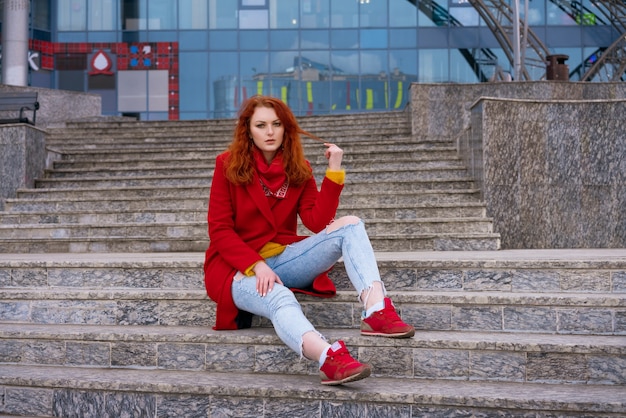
(334, 155)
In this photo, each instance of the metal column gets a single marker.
(15, 42)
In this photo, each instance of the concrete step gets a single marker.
(172, 227)
(426, 194)
(401, 180)
(512, 332)
(206, 169)
(141, 244)
(159, 159)
(115, 150)
(469, 356)
(156, 134)
(489, 311)
(177, 393)
(556, 291)
(393, 122)
(576, 271)
(220, 133)
(94, 212)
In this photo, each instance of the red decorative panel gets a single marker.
(135, 56)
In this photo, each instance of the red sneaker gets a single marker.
(386, 323)
(340, 367)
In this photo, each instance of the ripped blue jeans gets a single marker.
(297, 266)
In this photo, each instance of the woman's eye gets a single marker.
(276, 123)
(261, 126)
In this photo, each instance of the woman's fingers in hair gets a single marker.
(334, 155)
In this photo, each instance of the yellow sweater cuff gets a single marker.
(336, 176)
(269, 250)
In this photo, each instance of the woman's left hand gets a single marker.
(334, 155)
(265, 278)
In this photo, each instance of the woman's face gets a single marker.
(266, 131)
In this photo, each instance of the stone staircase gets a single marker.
(103, 310)
(143, 187)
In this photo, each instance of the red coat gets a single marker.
(241, 222)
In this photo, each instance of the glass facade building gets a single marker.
(197, 59)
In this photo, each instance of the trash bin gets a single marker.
(557, 69)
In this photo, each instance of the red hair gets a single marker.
(239, 167)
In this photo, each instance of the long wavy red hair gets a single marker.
(239, 167)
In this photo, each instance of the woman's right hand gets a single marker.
(265, 278)
(333, 154)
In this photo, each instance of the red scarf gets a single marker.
(272, 176)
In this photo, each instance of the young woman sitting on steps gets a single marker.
(256, 260)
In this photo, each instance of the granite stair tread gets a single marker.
(526, 357)
(99, 206)
(140, 192)
(179, 238)
(370, 221)
(343, 297)
(76, 143)
(600, 259)
(207, 173)
(415, 152)
(174, 209)
(461, 396)
(465, 340)
(207, 170)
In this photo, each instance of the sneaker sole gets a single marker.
(407, 334)
(365, 373)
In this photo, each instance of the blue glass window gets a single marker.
(226, 94)
(344, 62)
(344, 39)
(315, 39)
(284, 14)
(102, 15)
(193, 14)
(223, 40)
(402, 38)
(254, 39)
(433, 13)
(536, 12)
(433, 66)
(372, 13)
(194, 81)
(314, 14)
(464, 16)
(72, 15)
(403, 61)
(557, 16)
(193, 40)
(162, 14)
(40, 14)
(284, 39)
(374, 62)
(102, 36)
(253, 63)
(222, 14)
(283, 62)
(373, 38)
(253, 19)
(344, 14)
(402, 13)
(462, 70)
